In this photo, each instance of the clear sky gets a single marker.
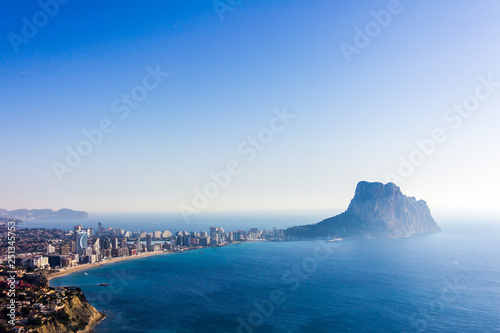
(359, 102)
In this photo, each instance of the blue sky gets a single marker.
(353, 120)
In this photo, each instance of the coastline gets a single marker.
(96, 321)
(98, 264)
(93, 323)
(118, 259)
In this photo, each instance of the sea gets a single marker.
(440, 282)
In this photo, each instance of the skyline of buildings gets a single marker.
(82, 246)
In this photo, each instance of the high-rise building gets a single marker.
(118, 232)
(55, 261)
(253, 233)
(76, 230)
(138, 245)
(220, 235)
(106, 253)
(64, 249)
(214, 235)
(81, 242)
(148, 243)
(90, 232)
(105, 243)
(97, 246)
(204, 241)
(215, 239)
(51, 249)
(114, 244)
(37, 262)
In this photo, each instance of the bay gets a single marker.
(443, 282)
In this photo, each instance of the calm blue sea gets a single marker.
(444, 282)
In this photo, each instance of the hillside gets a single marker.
(29, 214)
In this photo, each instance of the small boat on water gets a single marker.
(335, 240)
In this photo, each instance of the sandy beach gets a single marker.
(109, 261)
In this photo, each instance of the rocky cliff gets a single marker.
(377, 210)
(77, 315)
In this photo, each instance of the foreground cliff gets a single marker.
(76, 315)
(377, 210)
(40, 308)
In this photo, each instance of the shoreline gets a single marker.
(98, 264)
(94, 323)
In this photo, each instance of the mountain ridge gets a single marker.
(376, 211)
(29, 214)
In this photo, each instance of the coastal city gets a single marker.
(31, 257)
(230, 166)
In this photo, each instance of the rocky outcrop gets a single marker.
(76, 315)
(377, 210)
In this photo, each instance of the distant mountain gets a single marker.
(377, 210)
(29, 214)
(6, 220)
